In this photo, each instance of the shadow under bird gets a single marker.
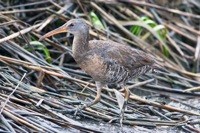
(105, 61)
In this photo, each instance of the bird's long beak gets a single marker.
(56, 31)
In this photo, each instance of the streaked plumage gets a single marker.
(110, 62)
(105, 61)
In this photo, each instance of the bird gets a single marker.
(106, 61)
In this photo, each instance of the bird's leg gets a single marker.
(126, 97)
(122, 105)
(99, 86)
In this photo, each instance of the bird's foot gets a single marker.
(115, 119)
(118, 119)
(121, 118)
(79, 109)
(72, 111)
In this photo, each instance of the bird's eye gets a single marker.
(71, 25)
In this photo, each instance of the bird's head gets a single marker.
(74, 26)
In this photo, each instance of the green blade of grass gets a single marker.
(41, 47)
(96, 21)
(159, 31)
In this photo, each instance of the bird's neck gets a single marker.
(80, 44)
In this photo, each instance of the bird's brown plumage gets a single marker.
(105, 61)
(111, 62)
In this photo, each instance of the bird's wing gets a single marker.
(123, 54)
(122, 62)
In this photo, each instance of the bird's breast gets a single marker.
(94, 66)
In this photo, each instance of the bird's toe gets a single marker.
(79, 109)
(117, 120)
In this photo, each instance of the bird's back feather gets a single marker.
(111, 62)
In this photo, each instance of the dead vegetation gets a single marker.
(39, 78)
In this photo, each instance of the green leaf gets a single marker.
(144, 18)
(40, 47)
(150, 23)
(137, 30)
(96, 21)
(166, 51)
(159, 31)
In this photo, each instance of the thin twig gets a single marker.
(12, 94)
